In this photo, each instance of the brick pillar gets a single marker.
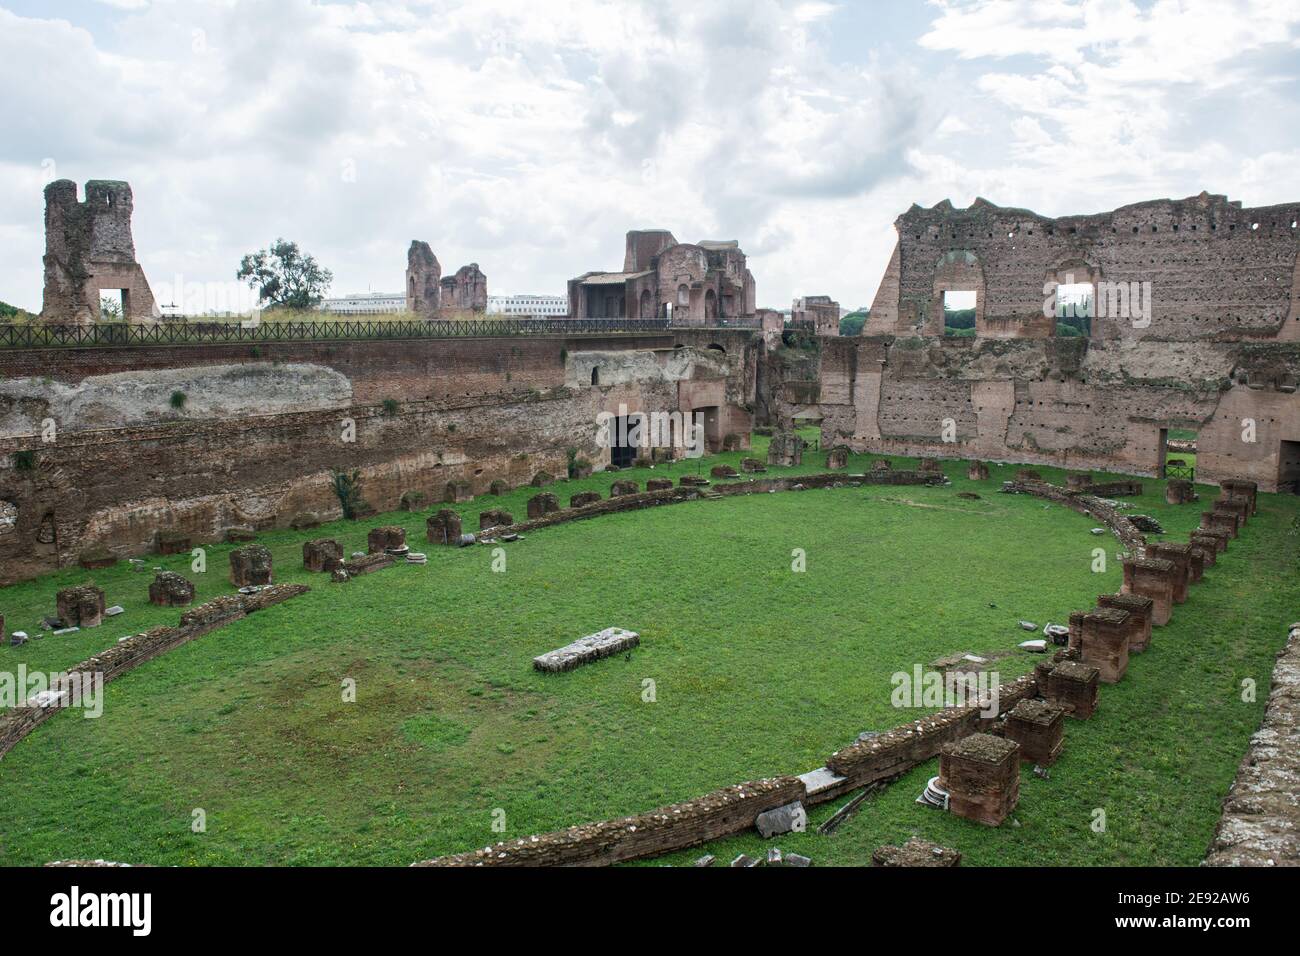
(1241, 488)
(1220, 538)
(1179, 491)
(1153, 578)
(1181, 556)
(1237, 505)
(1104, 643)
(982, 776)
(1071, 685)
(1139, 615)
(387, 538)
(977, 471)
(444, 527)
(1217, 520)
(1076, 629)
(1208, 545)
(81, 606)
(1078, 482)
(322, 554)
(1039, 729)
(250, 566)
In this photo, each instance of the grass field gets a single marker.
(757, 670)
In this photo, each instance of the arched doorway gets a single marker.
(647, 305)
(710, 305)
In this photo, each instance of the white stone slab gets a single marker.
(586, 649)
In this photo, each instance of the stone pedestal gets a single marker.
(1073, 686)
(1039, 729)
(1179, 491)
(751, 466)
(785, 449)
(493, 518)
(1075, 640)
(1220, 538)
(169, 589)
(977, 471)
(1221, 521)
(1154, 578)
(81, 606)
(1236, 506)
(981, 774)
(1208, 545)
(584, 498)
(250, 566)
(322, 554)
(1078, 482)
(620, 488)
(1241, 488)
(722, 471)
(659, 484)
(1181, 556)
(881, 464)
(444, 528)
(543, 504)
(915, 852)
(1139, 610)
(1104, 643)
(386, 539)
(837, 458)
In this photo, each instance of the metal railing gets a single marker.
(38, 336)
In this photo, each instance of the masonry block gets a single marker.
(1104, 643)
(1181, 556)
(584, 498)
(173, 542)
(1140, 610)
(1221, 521)
(659, 484)
(915, 852)
(1179, 491)
(1154, 578)
(542, 505)
(1078, 482)
(458, 492)
(494, 517)
(444, 528)
(322, 554)
(250, 566)
(977, 471)
(1241, 488)
(81, 606)
(1073, 686)
(1236, 505)
(620, 488)
(837, 458)
(1220, 538)
(386, 539)
(169, 589)
(785, 449)
(1208, 545)
(1039, 729)
(982, 776)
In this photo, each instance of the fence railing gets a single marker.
(38, 336)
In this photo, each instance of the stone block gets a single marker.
(1220, 538)
(1234, 505)
(542, 479)
(444, 527)
(1224, 522)
(1208, 545)
(881, 464)
(1104, 642)
(1073, 686)
(722, 471)
(929, 466)
(1028, 474)
(412, 501)
(981, 774)
(1080, 481)
(1181, 555)
(1241, 488)
(543, 504)
(1154, 578)
(1039, 729)
(693, 481)
(659, 484)
(620, 488)
(752, 466)
(584, 498)
(593, 647)
(96, 558)
(250, 566)
(1179, 491)
(977, 471)
(791, 818)
(915, 852)
(837, 458)
(785, 449)
(1140, 610)
(386, 539)
(494, 518)
(322, 554)
(169, 589)
(81, 606)
(498, 487)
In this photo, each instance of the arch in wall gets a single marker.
(647, 310)
(710, 305)
(1066, 277)
(595, 375)
(717, 348)
(958, 270)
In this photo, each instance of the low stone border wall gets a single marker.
(1086, 503)
(17, 722)
(719, 487)
(1259, 826)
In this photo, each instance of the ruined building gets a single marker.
(89, 252)
(1196, 321)
(696, 284)
(430, 295)
(820, 313)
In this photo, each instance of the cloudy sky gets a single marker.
(530, 135)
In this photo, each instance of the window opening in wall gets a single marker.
(1075, 306)
(959, 312)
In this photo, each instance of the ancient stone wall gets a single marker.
(423, 280)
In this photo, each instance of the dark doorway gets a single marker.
(621, 451)
(1288, 467)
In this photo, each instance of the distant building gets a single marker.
(529, 306)
(367, 303)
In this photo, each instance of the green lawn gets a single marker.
(757, 670)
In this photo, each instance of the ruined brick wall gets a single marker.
(118, 487)
(423, 280)
(89, 248)
(465, 291)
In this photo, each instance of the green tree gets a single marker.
(283, 276)
(852, 323)
(110, 309)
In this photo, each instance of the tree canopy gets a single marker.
(283, 276)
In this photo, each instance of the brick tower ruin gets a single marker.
(89, 251)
